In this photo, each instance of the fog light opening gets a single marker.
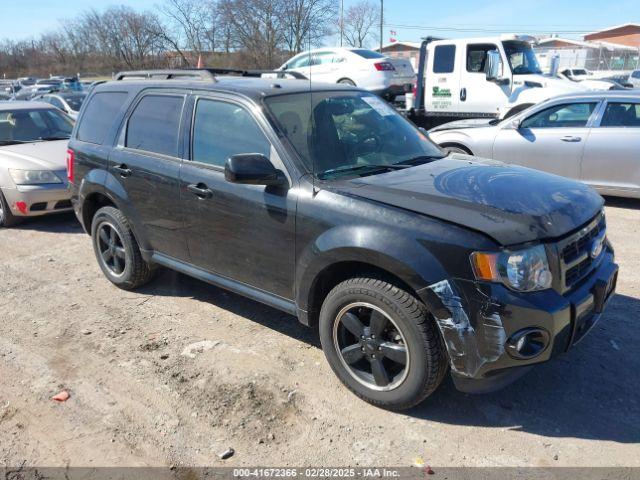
(527, 343)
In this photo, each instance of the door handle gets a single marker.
(570, 138)
(200, 190)
(124, 170)
(463, 94)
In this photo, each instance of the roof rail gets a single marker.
(204, 74)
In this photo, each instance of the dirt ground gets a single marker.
(180, 371)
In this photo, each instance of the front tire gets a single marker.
(7, 219)
(117, 250)
(381, 343)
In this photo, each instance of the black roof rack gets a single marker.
(203, 74)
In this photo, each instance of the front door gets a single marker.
(146, 163)
(442, 81)
(477, 95)
(551, 140)
(611, 159)
(241, 232)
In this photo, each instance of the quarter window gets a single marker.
(99, 116)
(155, 124)
(444, 58)
(621, 115)
(561, 116)
(223, 129)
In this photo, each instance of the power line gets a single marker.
(481, 30)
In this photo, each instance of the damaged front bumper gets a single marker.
(479, 320)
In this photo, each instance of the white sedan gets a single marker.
(363, 68)
(591, 136)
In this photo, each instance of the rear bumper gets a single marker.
(477, 322)
(36, 200)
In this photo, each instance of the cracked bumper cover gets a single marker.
(477, 318)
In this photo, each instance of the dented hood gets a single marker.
(511, 204)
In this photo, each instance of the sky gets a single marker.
(411, 19)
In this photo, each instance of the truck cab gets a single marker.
(485, 77)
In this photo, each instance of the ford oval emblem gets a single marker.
(596, 247)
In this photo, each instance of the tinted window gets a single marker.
(443, 58)
(561, 116)
(223, 129)
(154, 125)
(621, 115)
(99, 116)
(367, 53)
(636, 74)
(477, 57)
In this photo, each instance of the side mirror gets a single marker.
(493, 66)
(252, 169)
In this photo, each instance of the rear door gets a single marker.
(240, 232)
(611, 159)
(551, 140)
(442, 82)
(146, 163)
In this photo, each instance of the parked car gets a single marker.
(33, 144)
(634, 79)
(68, 102)
(28, 93)
(367, 69)
(325, 202)
(593, 137)
(577, 74)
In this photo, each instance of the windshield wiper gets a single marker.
(419, 160)
(59, 137)
(373, 167)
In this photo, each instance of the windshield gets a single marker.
(340, 134)
(522, 58)
(75, 102)
(17, 126)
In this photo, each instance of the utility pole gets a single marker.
(381, 21)
(341, 21)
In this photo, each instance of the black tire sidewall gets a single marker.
(417, 377)
(8, 219)
(106, 215)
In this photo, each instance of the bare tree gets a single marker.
(307, 22)
(360, 22)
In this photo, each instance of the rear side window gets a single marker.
(99, 116)
(222, 129)
(154, 125)
(367, 53)
(621, 115)
(443, 58)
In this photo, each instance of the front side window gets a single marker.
(222, 129)
(444, 58)
(522, 59)
(636, 74)
(99, 116)
(621, 115)
(338, 134)
(571, 115)
(155, 124)
(19, 126)
(477, 57)
(300, 62)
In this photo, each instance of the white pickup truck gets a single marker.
(481, 77)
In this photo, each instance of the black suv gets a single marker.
(324, 202)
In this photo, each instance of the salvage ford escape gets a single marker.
(324, 202)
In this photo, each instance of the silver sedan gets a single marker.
(593, 137)
(33, 167)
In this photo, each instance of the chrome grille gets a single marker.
(575, 252)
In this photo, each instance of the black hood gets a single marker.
(511, 204)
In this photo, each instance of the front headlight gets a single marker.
(523, 270)
(33, 177)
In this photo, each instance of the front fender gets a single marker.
(380, 247)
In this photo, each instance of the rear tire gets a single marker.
(117, 250)
(7, 219)
(398, 359)
(347, 81)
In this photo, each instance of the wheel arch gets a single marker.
(457, 145)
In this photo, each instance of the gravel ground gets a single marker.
(178, 372)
